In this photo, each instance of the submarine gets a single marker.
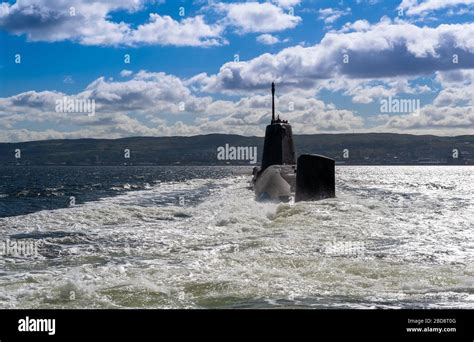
(281, 177)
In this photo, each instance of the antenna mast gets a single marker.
(273, 102)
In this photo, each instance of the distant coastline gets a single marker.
(346, 149)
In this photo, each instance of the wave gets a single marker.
(375, 245)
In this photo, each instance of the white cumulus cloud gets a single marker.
(89, 23)
(267, 39)
(257, 17)
(421, 7)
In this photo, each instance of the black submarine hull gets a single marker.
(313, 178)
(280, 177)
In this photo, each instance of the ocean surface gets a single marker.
(194, 237)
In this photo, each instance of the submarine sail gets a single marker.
(280, 176)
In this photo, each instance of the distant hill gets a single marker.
(367, 149)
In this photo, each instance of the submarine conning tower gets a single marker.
(312, 178)
(278, 147)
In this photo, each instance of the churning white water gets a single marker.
(394, 237)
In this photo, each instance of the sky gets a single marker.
(166, 68)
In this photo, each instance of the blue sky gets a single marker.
(199, 67)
